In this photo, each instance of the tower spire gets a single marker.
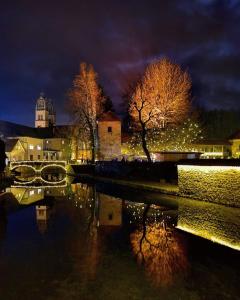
(44, 114)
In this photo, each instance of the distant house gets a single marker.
(174, 155)
(234, 139)
(213, 148)
(26, 143)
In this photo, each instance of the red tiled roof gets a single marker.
(109, 116)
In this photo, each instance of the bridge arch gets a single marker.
(39, 179)
(15, 166)
(54, 165)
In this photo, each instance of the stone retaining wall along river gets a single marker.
(218, 184)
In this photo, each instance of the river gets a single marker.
(76, 240)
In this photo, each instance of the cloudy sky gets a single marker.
(43, 42)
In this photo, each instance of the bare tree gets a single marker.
(161, 98)
(86, 103)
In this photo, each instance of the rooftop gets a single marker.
(9, 129)
(109, 116)
(10, 143)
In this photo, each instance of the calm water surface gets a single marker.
(84, 241)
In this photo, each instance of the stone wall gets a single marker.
(218, 184)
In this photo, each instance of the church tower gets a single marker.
(44, 114)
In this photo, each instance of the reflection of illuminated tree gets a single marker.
(160, 250)
(85, 250)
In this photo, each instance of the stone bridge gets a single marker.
(39, 165)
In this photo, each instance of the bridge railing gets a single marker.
(38, 165)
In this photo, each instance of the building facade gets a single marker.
(235, 144)
(109, 137)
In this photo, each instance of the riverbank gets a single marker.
(164, 190)
(162, 187)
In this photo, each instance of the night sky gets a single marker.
(43, 42)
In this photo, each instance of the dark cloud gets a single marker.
(42, 44)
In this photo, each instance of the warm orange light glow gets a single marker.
(161, 252)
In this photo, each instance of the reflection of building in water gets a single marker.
(53, 177)
(25, 195)
(42, 217)
(159, 248)
(211, 221)
(110, 211)
(56, 191)
(83, 195)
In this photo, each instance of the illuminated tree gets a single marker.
(178, 138)
(86, 103)
(161, 99)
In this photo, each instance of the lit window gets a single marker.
(63, 142)
(31, 193)
(31, 147)
(47, 142)
(39, 147)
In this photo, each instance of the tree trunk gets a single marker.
(93, 145)
(144, 230)
(144, 143)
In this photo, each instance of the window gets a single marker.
(39, 157)
(62, 142)
(39, 147)
(109, 129)
(110, 217)
(31, 157)
(31, 147)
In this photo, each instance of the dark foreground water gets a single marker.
(101, 242)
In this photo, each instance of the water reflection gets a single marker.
(110, 211)
(157, 246)
(43, 213)
(41, 179)
(28, 195)
(53, 177)
(214, 222)
(84, 234)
